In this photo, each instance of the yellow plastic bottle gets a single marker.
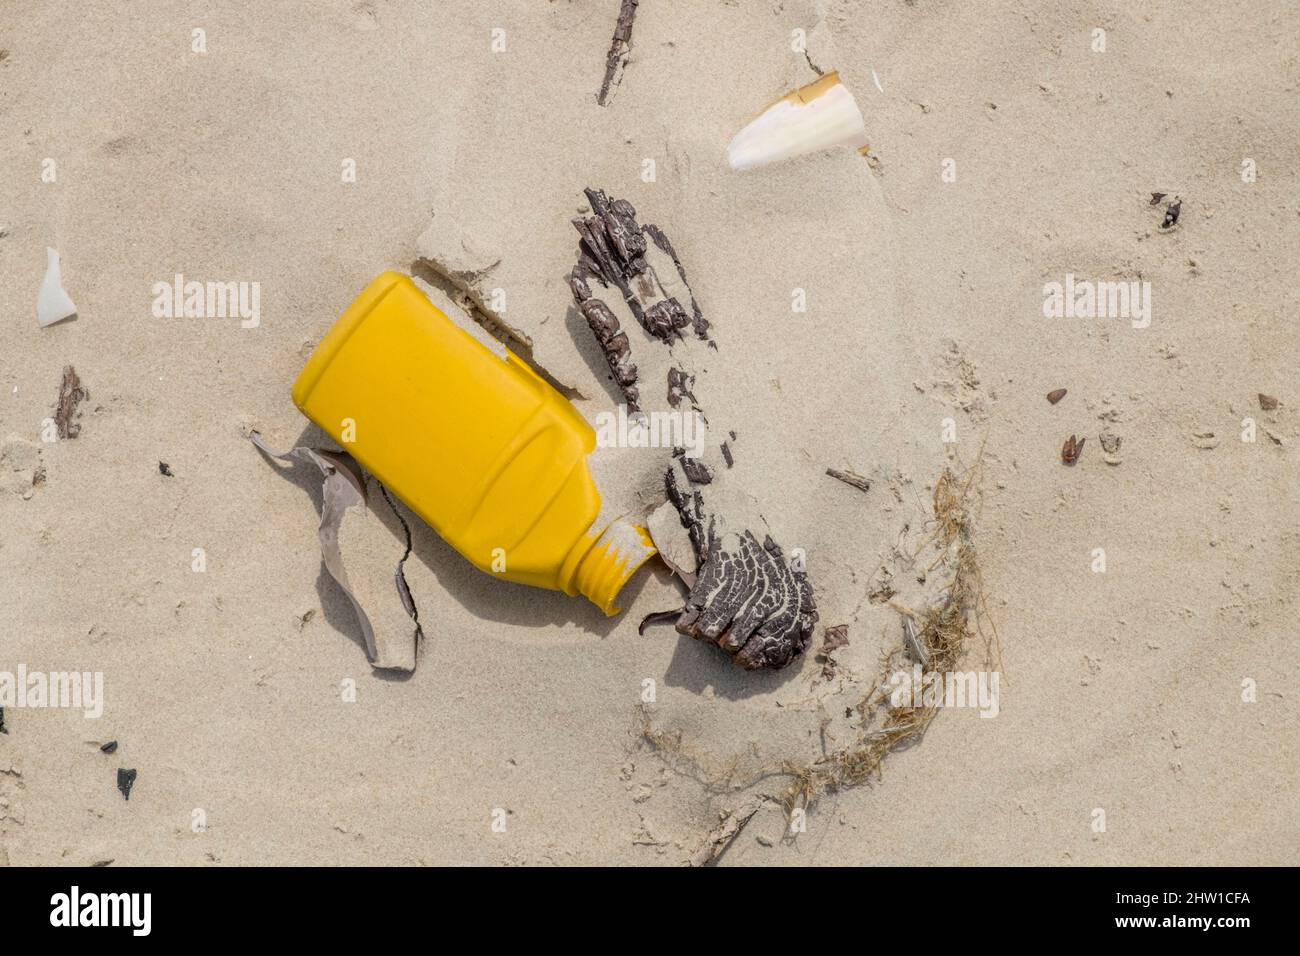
(472, 440)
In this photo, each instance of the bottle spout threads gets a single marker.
(621, 548)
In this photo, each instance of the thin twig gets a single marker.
(850, 478)
(716, 843)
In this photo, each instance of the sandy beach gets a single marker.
(880, 313)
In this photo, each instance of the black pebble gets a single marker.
(165, 469)
(110, 747)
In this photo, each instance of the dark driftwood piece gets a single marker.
(613, 340)
(697, 472)
(697, 317)
(679, 387)
(71, 394)
(619, 47)
(747, 598)
(850, 478)
(612, 250)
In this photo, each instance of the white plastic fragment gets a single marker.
(53, 304)
(812, 118)
(673, 542)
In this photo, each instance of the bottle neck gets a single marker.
(609, 562)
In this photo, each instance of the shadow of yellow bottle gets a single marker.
(472, 440)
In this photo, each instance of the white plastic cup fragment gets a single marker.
(53, 304)
(818, 116)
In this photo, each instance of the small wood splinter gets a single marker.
(619, 48)
(722, 836)
(850, 478)
(71, 394)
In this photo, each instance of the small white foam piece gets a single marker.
(53, 304)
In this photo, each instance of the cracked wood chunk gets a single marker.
(679, 387)
(748, 599)
(747, 596)
(613, 249)
(613, 340)
(697, 472)
(700, 324)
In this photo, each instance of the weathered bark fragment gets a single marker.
(679, 387)
(747, 596)
(700, 323)
(71, 394)
(697, 472)
(851, 478)
(613, 340)
(619, 48)
(749, 599)
(613, 248)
